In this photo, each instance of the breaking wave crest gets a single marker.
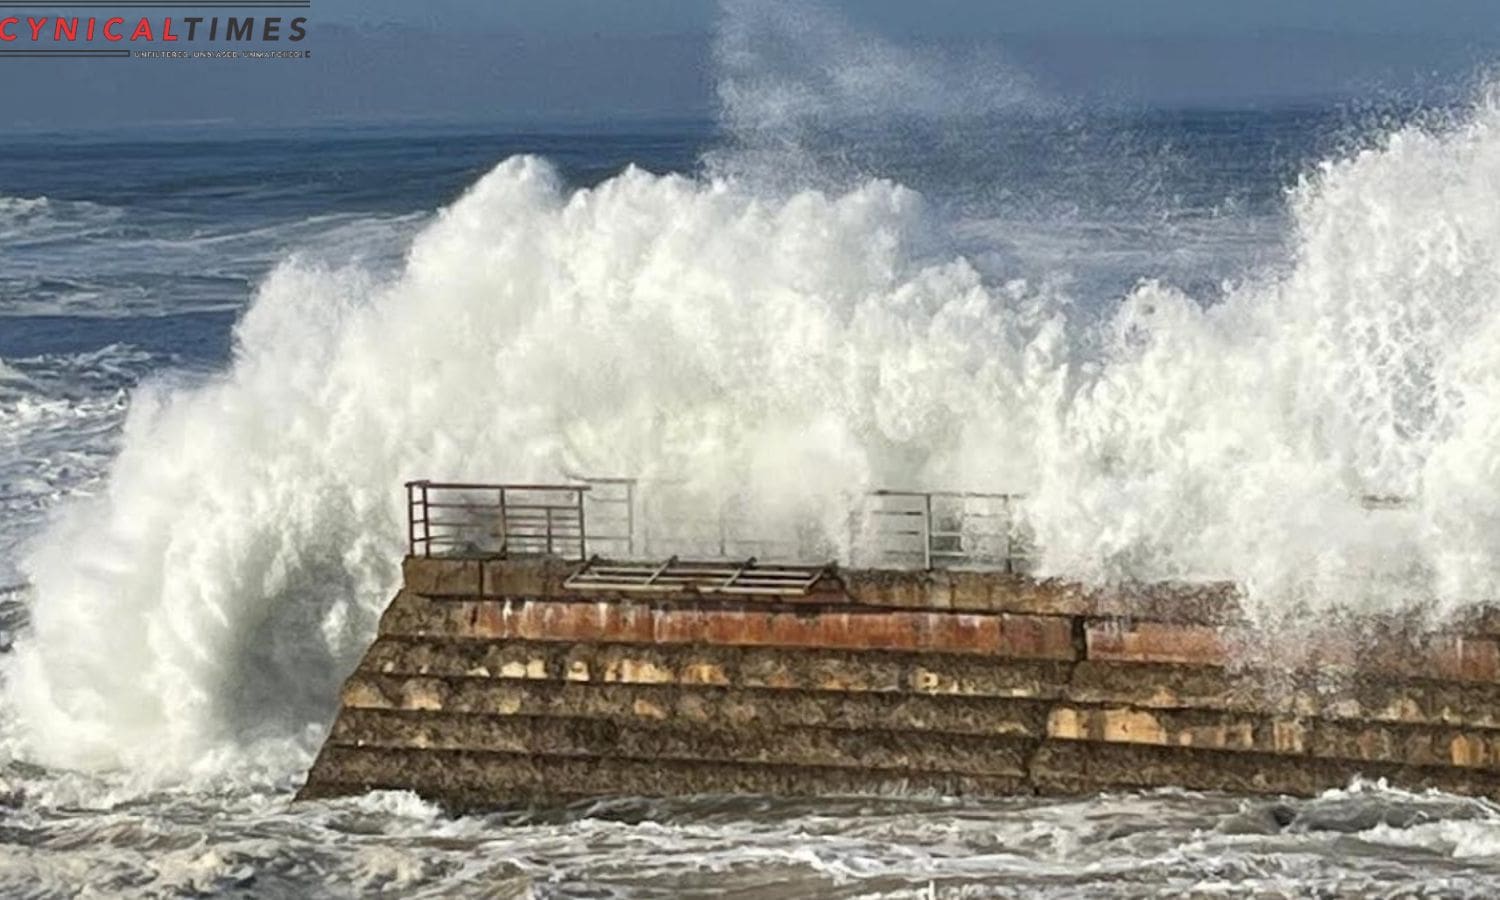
(802, 348)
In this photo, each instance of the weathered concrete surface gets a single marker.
(1409, 654)
(1206, 604)
(468, 780)
(689, 741)
(641, 621)
(717, 707)
(491, 683)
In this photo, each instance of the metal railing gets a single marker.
(449, 518)
(614, 518)
(610, 516)
(943, 529)
(572, 521)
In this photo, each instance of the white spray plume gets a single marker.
(794, 77)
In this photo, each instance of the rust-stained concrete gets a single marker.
(491, 683)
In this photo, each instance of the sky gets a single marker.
(1453, 18)
(595, 60)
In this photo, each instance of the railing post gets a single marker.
(504, 526)
(426, 523)
(927, 531)
(583, 534)
(411, 519)
(1010, 566)
(630, 519)
(646, 526)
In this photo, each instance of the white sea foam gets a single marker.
(35, 218)
(1139, 845)
(805, 347)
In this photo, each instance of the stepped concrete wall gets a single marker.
(490, 684)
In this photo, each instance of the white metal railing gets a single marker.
(572, 521)
(943, 529)
(447, 518)
(615, 518)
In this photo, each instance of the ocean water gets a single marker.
(1194, 338)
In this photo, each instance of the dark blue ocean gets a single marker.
(127, 261)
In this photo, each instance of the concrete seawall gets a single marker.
(495, 681)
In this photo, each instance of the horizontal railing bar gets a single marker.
(658, 587)
(629, 585)
(698, 574)
(714, 564)
(541, 521)
(740, 587)
(540, 524)
(719, 576)
(756, 572)
(969, 494)
(470, 486)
